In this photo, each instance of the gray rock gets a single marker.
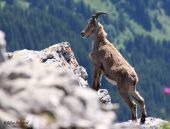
(2, 47)
(104, 96)
(151, 123)
(105, 99)
(45, 89)
(46, 97)
(81, 72)
(59, 55)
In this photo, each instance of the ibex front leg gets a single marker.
(96, 77)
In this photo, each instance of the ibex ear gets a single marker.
(94, 21)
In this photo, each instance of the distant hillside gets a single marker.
(139, 28)
(135, 17)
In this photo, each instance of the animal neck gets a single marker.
(99, 38)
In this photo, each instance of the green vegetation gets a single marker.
(165, 126)
(142, 18)
(22, 4)
(139, 29)
(2, 4)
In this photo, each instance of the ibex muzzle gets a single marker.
(91, 26)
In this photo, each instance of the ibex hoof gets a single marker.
(134, 120)
(142, 120)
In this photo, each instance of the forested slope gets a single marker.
(139, 28)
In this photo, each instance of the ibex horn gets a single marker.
(98, 14)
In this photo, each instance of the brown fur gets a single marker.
(109, 62)
(112, 63)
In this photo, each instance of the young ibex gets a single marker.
(109, 62)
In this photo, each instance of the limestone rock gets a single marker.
(59, 55)
(104, 96)
(151, 123)
(45, 90)
(46, 97)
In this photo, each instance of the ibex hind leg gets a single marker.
(130, 103)
(135, 94)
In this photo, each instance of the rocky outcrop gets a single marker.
(58, 55)
(48, 98)
(151, 123)
(48, 90)
(104, 96)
